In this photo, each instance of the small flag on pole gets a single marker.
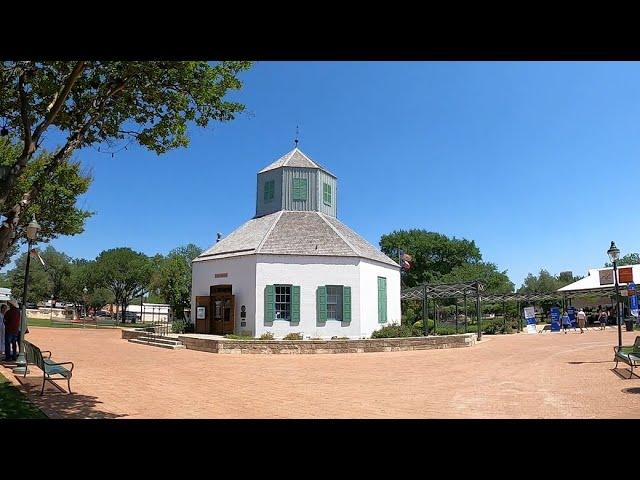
(405, 260)
(36, 254)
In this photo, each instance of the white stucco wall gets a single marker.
(369, 273)
(308, 272)
(241, 274)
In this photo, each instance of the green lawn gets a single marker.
(13, 403)
(39, 322)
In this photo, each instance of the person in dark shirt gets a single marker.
(12, 327)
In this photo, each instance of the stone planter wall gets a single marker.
(326, 346)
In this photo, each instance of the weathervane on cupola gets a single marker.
(296, 140)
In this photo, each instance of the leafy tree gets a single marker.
(434, 254)
(95, 102)
(55, 205)
(39, 286)
(99, 297)
(545, 282)
(79, 278)
(4, 280)
(628, 259)
(487, 273)
(173, 278)
(124, 273)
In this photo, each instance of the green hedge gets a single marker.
(396, 331)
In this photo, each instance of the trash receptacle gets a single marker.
(629, 325)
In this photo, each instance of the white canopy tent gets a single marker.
(5, 294)
(599, 280)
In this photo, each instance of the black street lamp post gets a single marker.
(614, 253)
(32, 231)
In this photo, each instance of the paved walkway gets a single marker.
(511, 376)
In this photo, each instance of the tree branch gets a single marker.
(59, 99)
(24, 115)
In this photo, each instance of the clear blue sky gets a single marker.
(535, 161)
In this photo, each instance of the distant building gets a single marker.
(294, 267)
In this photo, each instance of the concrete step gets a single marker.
(167, 340)
(176, 346)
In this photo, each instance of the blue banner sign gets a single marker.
(571, 311)
(555, 319)
(530, 316)
(633, 298)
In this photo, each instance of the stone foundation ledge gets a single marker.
(326, 346)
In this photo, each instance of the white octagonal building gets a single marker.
(294, 267)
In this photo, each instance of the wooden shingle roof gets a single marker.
(295, 233)
(295, 158)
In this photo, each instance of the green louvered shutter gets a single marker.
(295, 303)
(346, 304)
(299, 188)
(382, 300)
(269, 303)
(321, 304)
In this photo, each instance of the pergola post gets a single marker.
(435, 317)
(466, 319)
(504, 315)
(456, 315)
(519, 316)
(478, 312)
(425, 312)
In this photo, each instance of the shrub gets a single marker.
(242, 336)
(493, 327)
(189, 327)
(293, 336)
(420, 326)
(266, 336)
(178, 326)
(396, 331)
(339, 338)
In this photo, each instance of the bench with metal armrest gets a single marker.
(629, 355)
(42, 359)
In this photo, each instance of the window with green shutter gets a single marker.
(269, 303)
(321, 304)
(382, 300)
(295, 303)
(334, 302)
(346, 304)
(269, 190)
(299, 188)
(283, 302)
(326, 193)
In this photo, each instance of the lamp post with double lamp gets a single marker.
(614, 254)
(32, 232)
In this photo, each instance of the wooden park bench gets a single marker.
(629, 355)
(35, 356)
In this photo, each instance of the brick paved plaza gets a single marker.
(511, 376)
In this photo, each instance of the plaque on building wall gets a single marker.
(221, 275)
(606, 277)
(201, 313)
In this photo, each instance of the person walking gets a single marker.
(566, 321)
(3, 309)
(12, 329)
(582, 320)
(602, 318)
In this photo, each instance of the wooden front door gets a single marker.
(203, 317)
(223, 321)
